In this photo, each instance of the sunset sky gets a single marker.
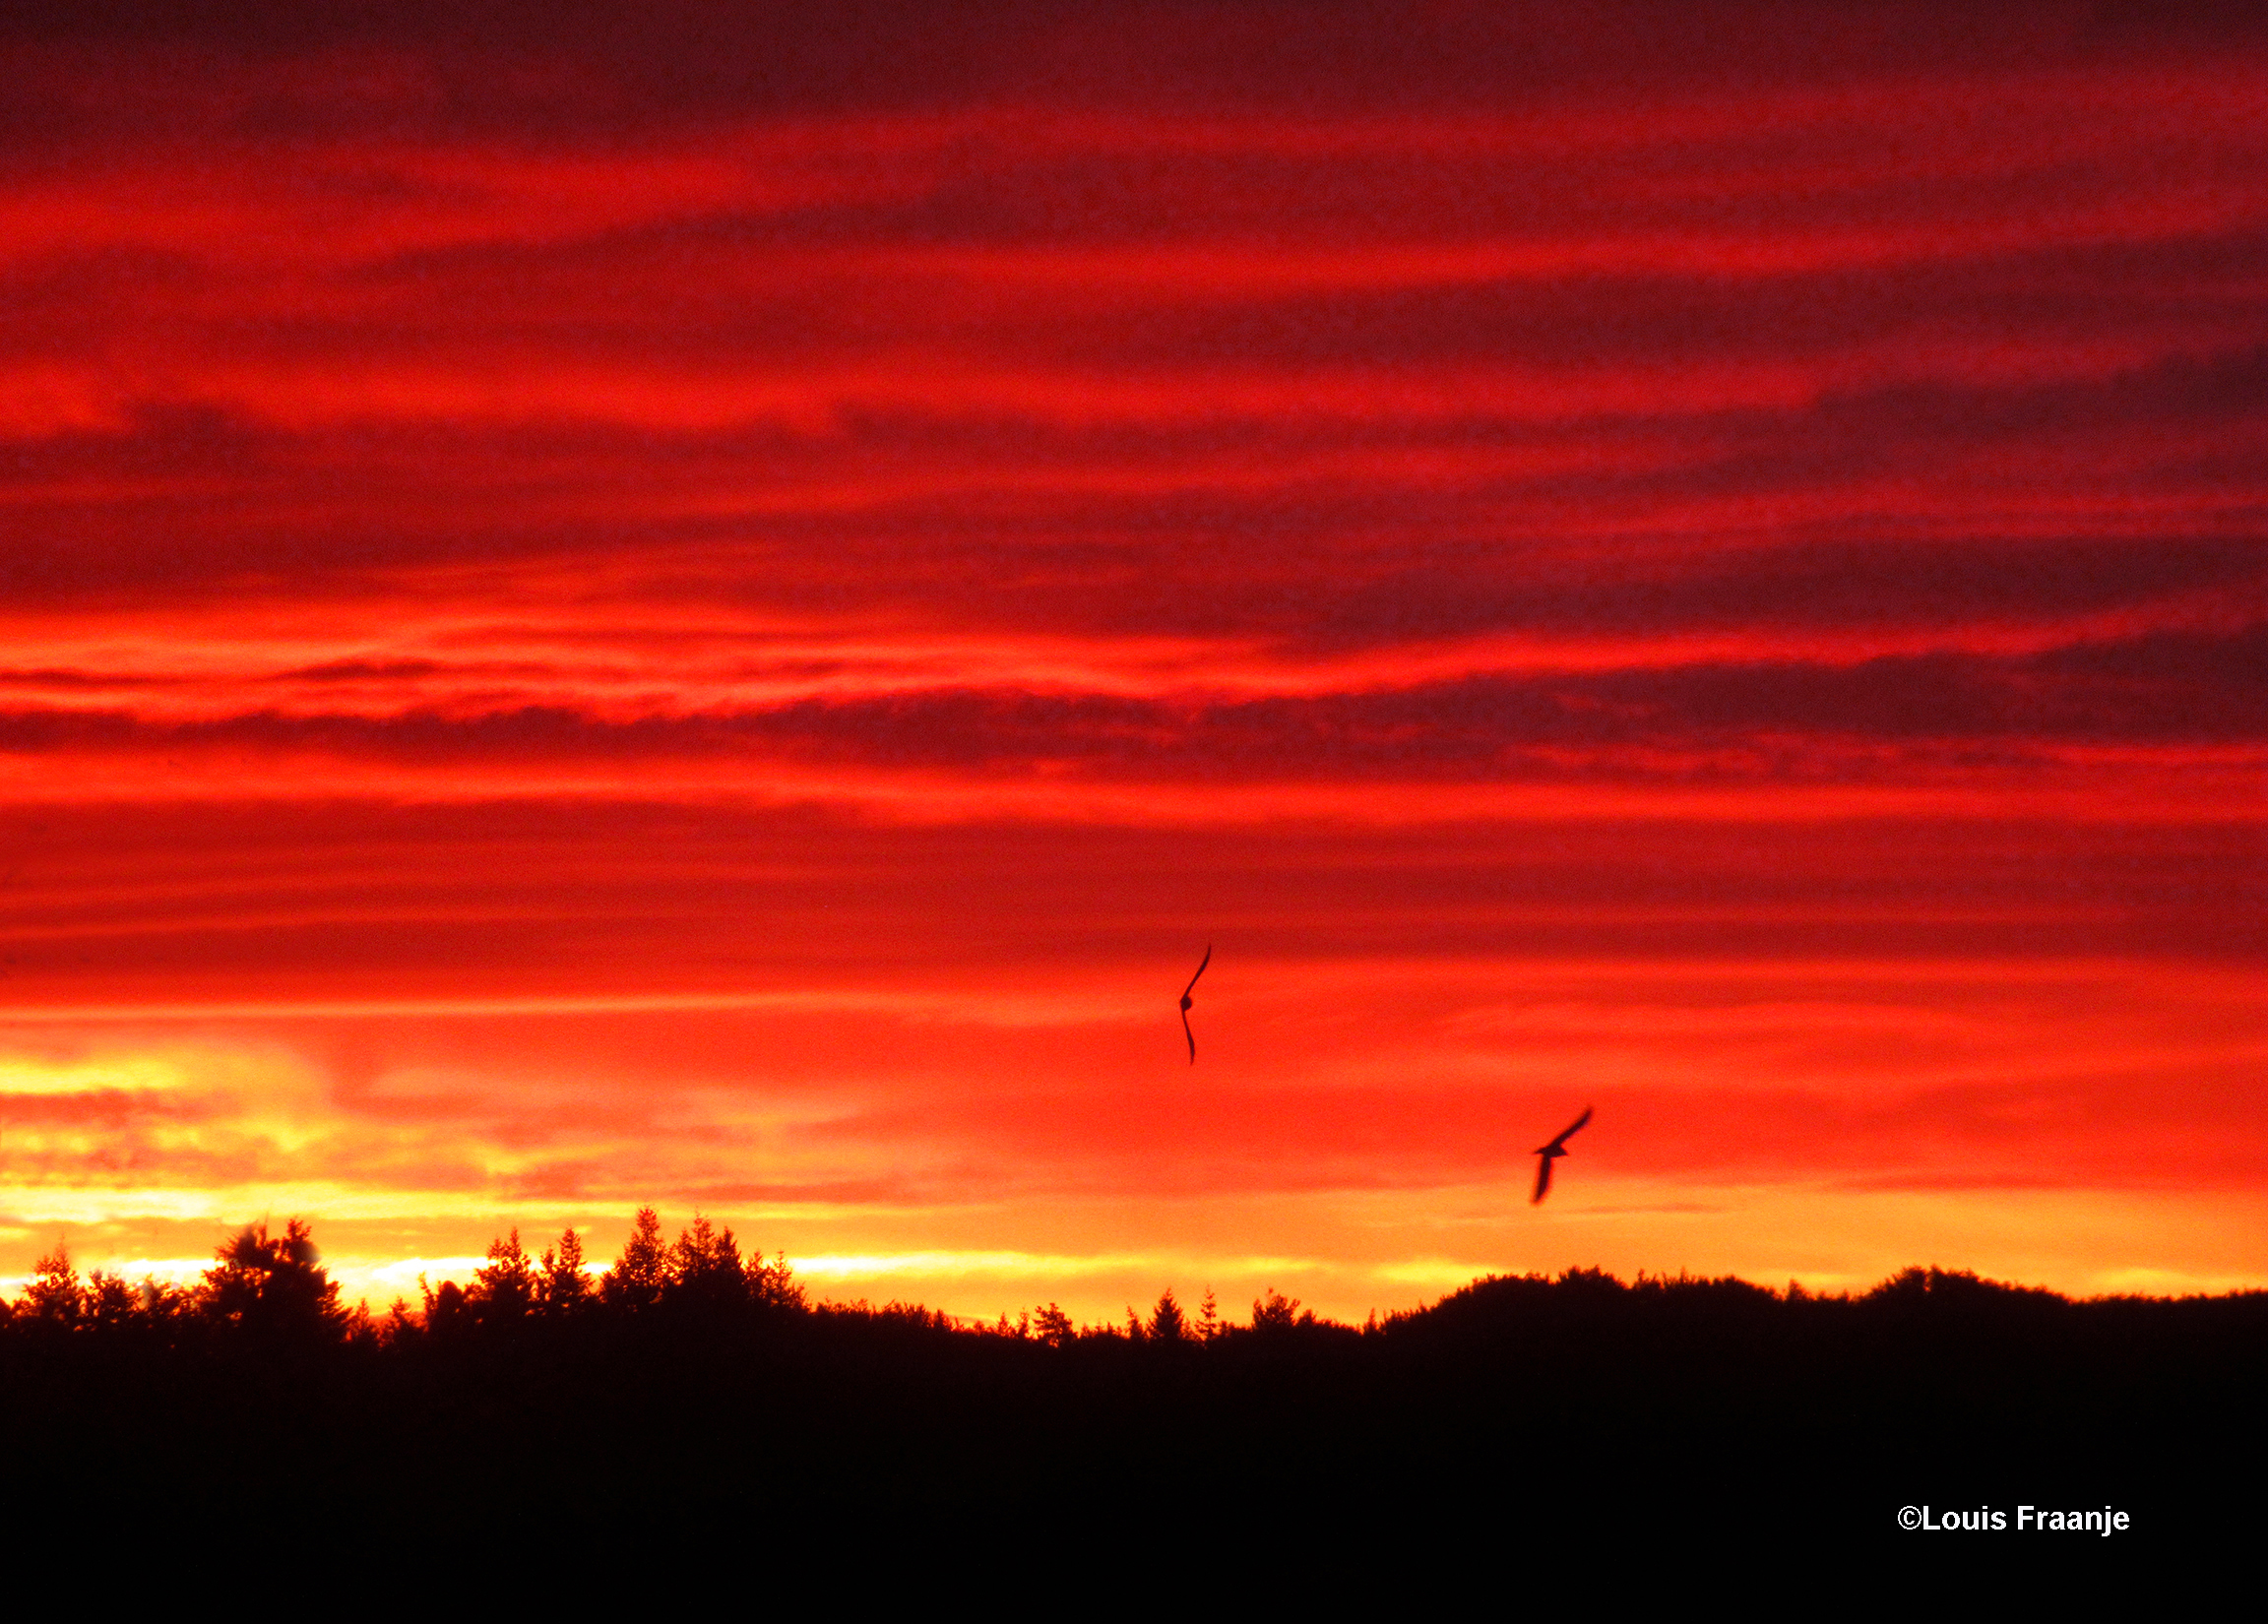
(713, 608)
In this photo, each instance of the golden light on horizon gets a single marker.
(611, 648)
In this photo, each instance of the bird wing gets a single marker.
(1542, 1180)
(1201, 963)
(1572, 1126)
(1192, 1037)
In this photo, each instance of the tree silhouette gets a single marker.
(54, 1299)
(1275, 1312)
(773, 1285)
(168, 1308)
(504, 1287)
(699, 1366)
(273, 1286)
(447, 1314)
(704, 1271)
(109, 1303)
(1168, 1324)
(642, 1270)
(564, 1288)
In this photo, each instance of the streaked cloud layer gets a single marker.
(714, 610)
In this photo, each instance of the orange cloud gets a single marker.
(581, 629)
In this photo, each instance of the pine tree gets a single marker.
(642, 1270)
(1168, 1324)
(54, 1297)
(565, 1288)
(110, 1301)
(773, 1284)
(273, 1284)
(704, 1268)
(504, 1289)
(446, 1314)
(1276, 1312)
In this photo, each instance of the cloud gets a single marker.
(710, 606)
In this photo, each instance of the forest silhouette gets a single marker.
(690, 1383)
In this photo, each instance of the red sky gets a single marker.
(714, 610)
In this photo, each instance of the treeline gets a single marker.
(690, 1384)
(274, 1288)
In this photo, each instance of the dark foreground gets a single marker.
(692, 1393)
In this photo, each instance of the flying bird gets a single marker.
(1187, 1002)
(1549, 1152)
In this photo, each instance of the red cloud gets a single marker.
(656, 630)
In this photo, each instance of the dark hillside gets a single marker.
(692, 1388)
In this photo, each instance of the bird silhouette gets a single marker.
(1550, 1153)
(1187, 1001)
